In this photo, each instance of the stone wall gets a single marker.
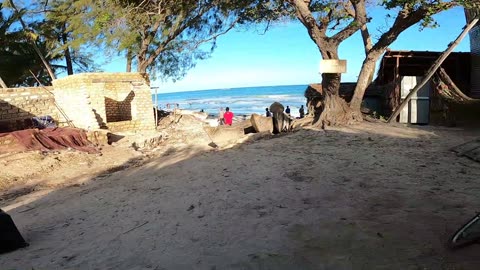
(19, 105)
(120, 101)
(114, 101)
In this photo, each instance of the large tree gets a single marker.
(162, 37)
(322, 20)
(53, 28)
(330, 22)
(408, 13)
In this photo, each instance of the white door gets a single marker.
(418, 109)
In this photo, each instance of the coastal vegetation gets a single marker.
(166, 38)
(329, 23)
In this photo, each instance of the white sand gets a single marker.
(364, 197)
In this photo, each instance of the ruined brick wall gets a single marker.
(19, 105)
(117, 101)
(72, 95)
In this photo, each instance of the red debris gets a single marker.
(48, 139)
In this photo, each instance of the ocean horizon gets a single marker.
(240, 100)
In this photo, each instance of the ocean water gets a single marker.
(241, 101)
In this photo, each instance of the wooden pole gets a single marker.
(433, 69)
(156, 107)
(2, 83)
(60, 109)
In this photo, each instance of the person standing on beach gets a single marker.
(301, 111)
(228, 116)
(287, 110)
(221, 119)
(267, 112)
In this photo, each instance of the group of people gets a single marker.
(225, 117)
(301, 111)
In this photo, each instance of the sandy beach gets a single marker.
(369, 196)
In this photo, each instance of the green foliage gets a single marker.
(18, 56)
(429, 8)
(166, 37)
(332, 16)
(53, 29)
(47, 28)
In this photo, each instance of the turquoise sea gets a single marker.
(242, 101)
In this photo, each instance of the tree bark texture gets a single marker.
(330, 108)
(367, 43)
(129, 61)
(364, 78)
(405, 19)
(333, 109)
(68, 56)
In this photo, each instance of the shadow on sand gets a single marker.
(335, 199)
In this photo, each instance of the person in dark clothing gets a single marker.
(267, 112)
(302, 112)
(287, 110)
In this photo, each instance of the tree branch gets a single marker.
(367, 39)
(359, 20)
(216, 35)
(406, 18)
(306, 18)
(175, 33)
(34, 44)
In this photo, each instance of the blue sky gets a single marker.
(285, 55)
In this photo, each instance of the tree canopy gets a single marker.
(24, 29)
(330, 22)
(162, 37)
(165, 38)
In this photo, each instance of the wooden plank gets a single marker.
(469, 149)
(474, 154)
(2, 83)
(466, 147)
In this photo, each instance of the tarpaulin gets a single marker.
(48, 139)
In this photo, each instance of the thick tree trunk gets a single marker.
(142, 68)
(142, 62)
(68, 56)
(332, 109)
(129, 61)
(366, 72)
(142, 53)
(335, 111)
(367, 43)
